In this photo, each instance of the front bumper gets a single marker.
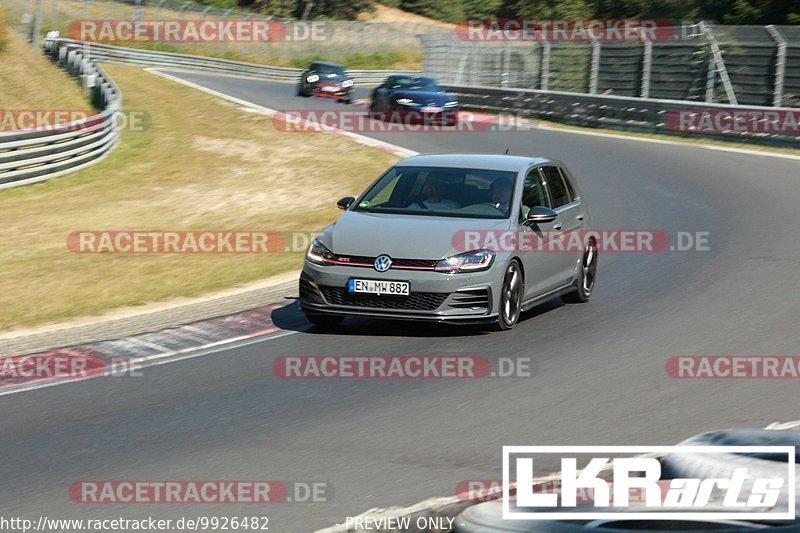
(341, 93)
(455, 298)
(416, 115)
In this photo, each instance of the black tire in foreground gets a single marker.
(487, 517)
(713, 465)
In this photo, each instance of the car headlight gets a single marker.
(312, 78)
(405, 101)
(347, 83)
(474, 261)
(319, 254)
(451, 104)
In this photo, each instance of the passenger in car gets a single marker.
(435, 192)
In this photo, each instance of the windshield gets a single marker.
(441, 191)
(324, 70)
(415, 84)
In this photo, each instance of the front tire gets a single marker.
(324, 321)
(373, 112)
(511, 296)
(584, 285)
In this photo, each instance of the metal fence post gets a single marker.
(780, 65)
(595, 69)
(716, 55)
(37, 22)
(647, 66)
(710, 79)
(545, 79)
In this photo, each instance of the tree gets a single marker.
(553, 9)
(447, 10)
(480, 9)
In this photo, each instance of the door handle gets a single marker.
(557, 226)
(580, 217)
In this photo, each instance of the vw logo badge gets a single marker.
(382, 263)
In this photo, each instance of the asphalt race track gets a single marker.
(598, 369)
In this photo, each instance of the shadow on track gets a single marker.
(289, 317)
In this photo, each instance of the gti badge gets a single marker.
(382, 263)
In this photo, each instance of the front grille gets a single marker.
(416, 301)
(396, 263)
(429, 263)
(470, 299)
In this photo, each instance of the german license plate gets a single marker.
(374, 286)
(329, 89)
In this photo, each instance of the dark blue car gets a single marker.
(326, 79)
(414, 98)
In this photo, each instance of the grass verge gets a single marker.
(349, 51)
(28, 80)
(4, 30)
(203, 163)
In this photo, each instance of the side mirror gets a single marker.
(540, 214)
(345, 202)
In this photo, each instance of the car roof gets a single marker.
(413, 77)
(506, 162)
(327, 64)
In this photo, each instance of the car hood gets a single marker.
(403, 236)
(425, 97)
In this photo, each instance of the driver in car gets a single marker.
(434, 192)
(501, 192)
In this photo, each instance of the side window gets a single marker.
(555, 183)
(572, 194)
(533, 193)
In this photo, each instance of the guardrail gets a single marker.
(645, 115)
(120, 54)
(36, 155)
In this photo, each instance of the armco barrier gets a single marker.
(120, 54)
(37, 155)
(644, 115)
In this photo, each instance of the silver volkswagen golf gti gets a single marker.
(453, 238)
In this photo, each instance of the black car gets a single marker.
(409, 97)
(326, 79)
